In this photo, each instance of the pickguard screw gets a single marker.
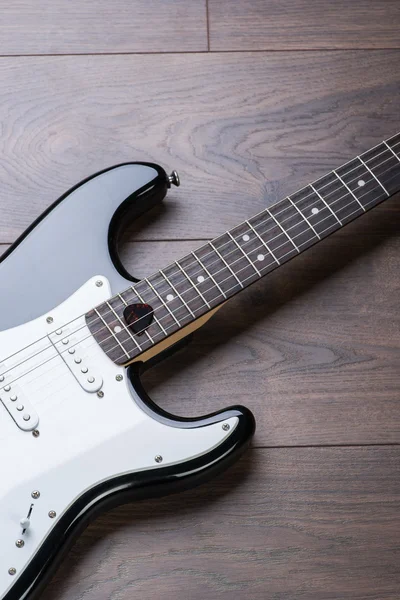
(20, 543)
(12, 571)
(100, 394)
(35, 495)
(158, 458)
(99, 283)
(226, 427)
(119, 378)
(49, 320)
(52, 514)
(35, 433)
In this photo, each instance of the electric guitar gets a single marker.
(78, 432)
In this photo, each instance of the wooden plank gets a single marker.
(303, 25)
(313, 349)
(243, 130)
(99, 26)
(302, 523)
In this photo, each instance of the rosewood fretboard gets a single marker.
(192, 286)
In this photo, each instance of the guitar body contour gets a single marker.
(71, 449)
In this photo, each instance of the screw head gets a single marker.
(12, 571)
(158, 458)
(20, 543)
(52, 514)
(226, 427)
(99, 283)
(119, 378)
(35, 494)
(35, 433)
(49, 320)
(100, 394)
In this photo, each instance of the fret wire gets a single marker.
(209, 274)
(262, 241)
(154, 315)
(367, 167)
(304, 217)
(160, 298)
(347, 187)
(126, 304)
(244, 253)
(286, 234)
(327, 205)
(224, 261)
(123, 325)
(169, 282)
(112, 333)
(392, 151)
(192, 283)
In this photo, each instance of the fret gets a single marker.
(161, 315)
(217, 270)
(326, 204)
(184, 287)
(210, 276)
(304, 217)
(113, 336)
(168, 280)
(226, 264)
(247, 257)
(385, 167)
(373, 175)
(192, 283)
(296, 227)
(148, 336)
(263, 243)
(283, 229)
(349, 190)
(361, 183)
(233, 254)
(172, 301)
(391, 150)
(123, 327)
(117, 329)
(275, 240)
(155, 330)
(315, 211)
(338, 197)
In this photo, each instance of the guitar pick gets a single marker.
(138, 317)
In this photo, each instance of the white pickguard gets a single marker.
(84, 439)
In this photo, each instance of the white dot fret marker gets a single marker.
(361, 182)
(117, 329)
(260, 257)
(170, 297)
(315, 211)
(200, 279)
(246, 237)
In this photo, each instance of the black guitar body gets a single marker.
(73, 241)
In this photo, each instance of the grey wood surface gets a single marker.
(303, 25)
(100, 26)
(312, 511)
(287, 524)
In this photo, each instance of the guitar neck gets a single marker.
(175, 297)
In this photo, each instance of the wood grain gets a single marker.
(301, 24)
(287, 524)
(243, 130)
(99, 26)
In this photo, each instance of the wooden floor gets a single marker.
(249, 100)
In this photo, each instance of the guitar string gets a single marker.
(87, 348)
(250, 262)
(95, 343)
